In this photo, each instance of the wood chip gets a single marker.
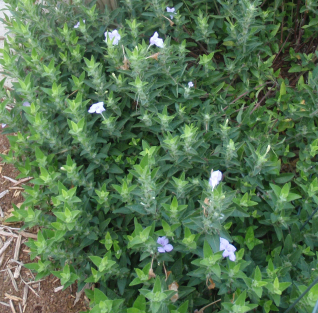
(25, 294)
(12, 307)
(12, 297)
(3, 193)
(11, 179)
(58, 288)
(1, 213)
(5, 246)
(14, 283)
(5, 304)
(20, 307)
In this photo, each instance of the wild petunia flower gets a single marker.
(78, 24)
(155, 40)
(171, 10)
(97, 108)
(164, 242)
(190, 84)
(228, 249)
(3, 125)
(26, 104)
(215, 178)
(113, 35)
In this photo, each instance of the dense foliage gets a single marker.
(232, 86)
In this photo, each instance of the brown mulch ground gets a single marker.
(46, 300)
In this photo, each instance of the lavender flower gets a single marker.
(215, 178)
(190, 84)
(26, 104)
(155, 40)
(97, 108)
(3, 125)
(228, 249)
(171, 10)
(164, 242)
(113, 35)
(78, 24)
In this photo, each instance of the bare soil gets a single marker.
(41, 297)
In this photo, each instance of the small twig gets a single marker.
(281, 48)
(23, 180)
(3, 193)
(202, 309)
(12, 307)
(79, 294)
(5, 304)
(6, 245)
(266, 95)
(28, 235)
(25, 294)
(4, 233)
(245, 93)
(12, 297)
(14, 283)
(30, 287)
(11, 179)
(71, 93)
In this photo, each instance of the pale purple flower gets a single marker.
(164, 242)
(113, 35)
(215, 178)
(155, 40)
(26, 104)
(228, 249)
(171, 10)
(3, 125)
(190, 84)
(97, 108)
(78, 24)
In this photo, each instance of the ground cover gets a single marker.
(173, 151)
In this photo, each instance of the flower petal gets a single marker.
(159, 240)
(168, 247)
(230, 248)
(161, 250)
(223, 244)
(232, 256)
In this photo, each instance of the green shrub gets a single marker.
(122, 196)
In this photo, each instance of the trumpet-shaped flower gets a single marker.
(228, 249)
(190, 84)
(26, 104)
(171, 10)
(113, 35)
(165, 246)
(78, 24)
(97, 108)
(155, 40)
(3, 125)
(215, 178)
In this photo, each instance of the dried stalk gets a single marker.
(12, 297)
(5, 246)
(11, 179)
(12, 307)
(14, 283)
(25, 294)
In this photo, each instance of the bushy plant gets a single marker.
(125, 197)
